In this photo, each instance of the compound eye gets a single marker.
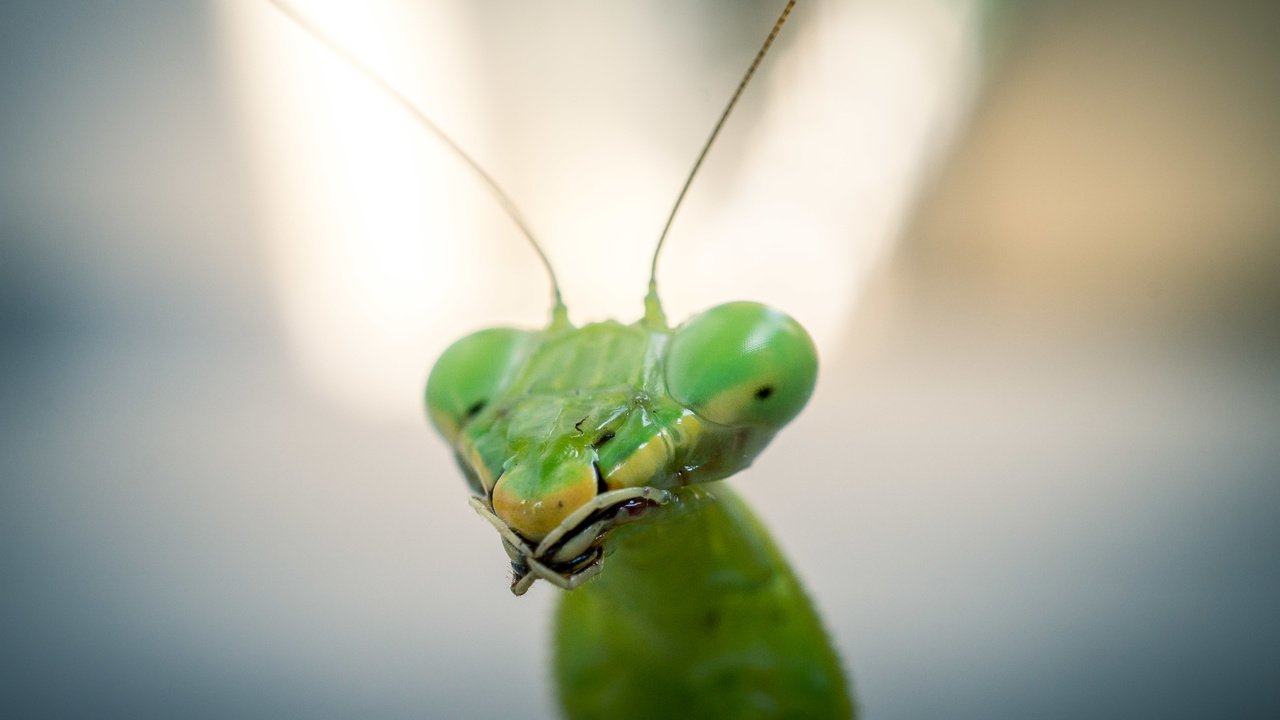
(470, 374)
(742, 363)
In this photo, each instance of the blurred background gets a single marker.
(1038, 244)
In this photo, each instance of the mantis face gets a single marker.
(566, 433)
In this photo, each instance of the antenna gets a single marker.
(559, 314)
(652, 305)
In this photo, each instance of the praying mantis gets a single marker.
(598, 453)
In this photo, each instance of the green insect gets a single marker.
(595, 453)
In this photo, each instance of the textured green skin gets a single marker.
(704, 618)
(575, 384)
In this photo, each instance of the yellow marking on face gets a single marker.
(640, 467)
(533, 516)
(688, 428)
(476, 460)
(444, 421)
(730, 404)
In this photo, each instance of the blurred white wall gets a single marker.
(385, 249)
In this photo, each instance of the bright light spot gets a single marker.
(385, 250)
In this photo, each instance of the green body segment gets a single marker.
(697, 616)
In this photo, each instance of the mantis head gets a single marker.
(567, 433)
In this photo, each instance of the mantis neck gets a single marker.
(696, 614)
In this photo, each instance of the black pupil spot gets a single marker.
(764, 392)
(603, 439)
(475, 408)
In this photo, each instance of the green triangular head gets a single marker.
(568, 432)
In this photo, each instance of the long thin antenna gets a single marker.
(559, 313)
(653, 306)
